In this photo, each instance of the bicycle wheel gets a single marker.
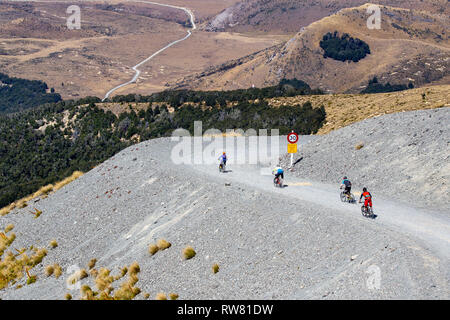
(364, 211)
(343, 197)
(352, 198)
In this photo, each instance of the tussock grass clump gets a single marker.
(14, 265)
(134, 268)
(53, 244)
(161, 296)
(92, 263)
(359, 146)
(77, 276)
(188, 253)
(104, 281)
(215, 268)
(173, 296)
(68, 296)
(36, 213)
(163, 244)
(9, 227)
(49, 270)
(57, 270)
(146, 295)
(128, 290)
(152, 249)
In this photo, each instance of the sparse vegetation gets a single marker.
(68, 296)
(53, 244)
(152, 249)
(173, 296)
(92, 263)
(215, 268)
(14, 265)
(49, 270)
(161, 296)
(188, 253)
(163, 244)
(57, 270)
(359, 146)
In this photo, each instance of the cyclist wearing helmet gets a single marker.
(347, 185)
(223, 159)
(278, 171)
(367, 198)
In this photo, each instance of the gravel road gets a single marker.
(299, 242)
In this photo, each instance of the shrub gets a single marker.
(188, 253)
(163, 244)
(92, 263)
(152, 249)
(53, 244)
(49, 270)
(57, 270)
(173, 296)
(161, 296)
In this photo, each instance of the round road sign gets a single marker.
(292, 137)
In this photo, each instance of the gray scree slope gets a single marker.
(299, 242)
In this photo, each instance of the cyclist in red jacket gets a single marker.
(367, 198)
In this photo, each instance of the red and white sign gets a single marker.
(292, 137)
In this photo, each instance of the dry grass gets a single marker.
(49, 270)
(92, 263)
(57, 270)
(104, 281)
(146, 295)
(345, 109)
(359, 146)
(68, 296)
(9, 227)
(152, 249)
(188, 253)
(215, 268)
(53, 244)
(161, 296)
(163, 244)
(77, 276)
(43, 192)
(173, 296)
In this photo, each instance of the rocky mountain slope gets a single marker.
(403, 156)
(299, 242)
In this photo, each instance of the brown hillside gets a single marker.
(411, 46)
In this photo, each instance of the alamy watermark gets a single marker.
(374, 21)
(74, 20)
(373, 282)
(252, 147)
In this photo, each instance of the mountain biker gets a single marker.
(347, 185)
(367, 198)
(278, 172)
(223, 159)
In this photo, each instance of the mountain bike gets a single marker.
(367, 211)
(222, 167)
(278, 182)
(345, 197)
